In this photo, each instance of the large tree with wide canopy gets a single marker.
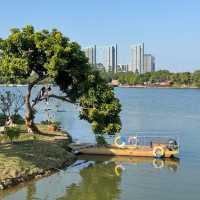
(39, 55)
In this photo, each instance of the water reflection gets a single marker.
(99, 182)
(31, 190)
(91, 177)
(101, 179)
(171, 164)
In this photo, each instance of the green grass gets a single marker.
(24, 136)
(32, 153)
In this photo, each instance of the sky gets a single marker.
(170, 29)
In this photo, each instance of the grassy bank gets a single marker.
(32, 156)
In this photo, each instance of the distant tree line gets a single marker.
(130, 78)
(177, 79)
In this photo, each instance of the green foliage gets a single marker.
(2, 119)
(28, 54)
(12, 132)
(185, 78)
(196, 78)
(55, 123)
(160, 76)
(100, 107)
(181, 78)
(46, 122)
(51, 122)
(18, 119)
(101, 140)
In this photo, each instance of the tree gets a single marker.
(159, 76)
(175, 77)
(130, 78)
(100, 107)
(11, 103)
(185, 78)
(49, 54)
(146, 76)
(196, 78)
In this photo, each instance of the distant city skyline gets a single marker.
(106, 58)
(169, 29)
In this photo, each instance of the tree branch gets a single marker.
(62, 98)
(31, 84)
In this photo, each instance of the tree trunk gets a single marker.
(29, 113)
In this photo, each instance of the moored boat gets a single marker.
(132, 146)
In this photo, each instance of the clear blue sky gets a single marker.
(170, 29)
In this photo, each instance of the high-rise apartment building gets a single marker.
(110, 58)
(90, 52)
(149, 63)
(106, 58)
(137, 58)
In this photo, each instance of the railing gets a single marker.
(138, 140)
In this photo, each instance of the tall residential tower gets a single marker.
(110, 58)
(90, 52)
(149, 63)
(137, 58)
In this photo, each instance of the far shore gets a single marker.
(159, 87)
(22, 85)
(120, 86)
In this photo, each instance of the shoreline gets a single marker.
(156, 87)
(120, 86)
(12, 182)
(34, 158)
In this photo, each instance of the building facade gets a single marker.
(122, 68)
(106, 58)
(137, 58)
(110, 58)
(90, 52)
(149, 63)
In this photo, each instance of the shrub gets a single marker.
(18, 119)
(12, 132)
(2, 119)
(55, 124)
(46, 122)
(101, 140)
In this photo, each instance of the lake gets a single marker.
(144, 112)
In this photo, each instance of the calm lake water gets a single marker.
(144, 112)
